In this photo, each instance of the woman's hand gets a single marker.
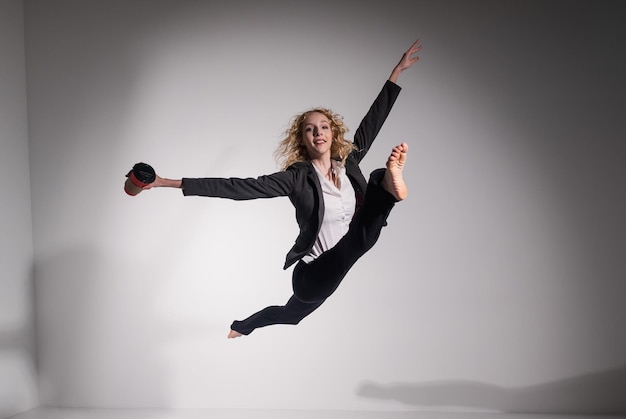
(406, 61)
(160, 182)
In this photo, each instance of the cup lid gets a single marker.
(144, 173)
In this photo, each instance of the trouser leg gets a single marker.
(291, 313)
(318, 279)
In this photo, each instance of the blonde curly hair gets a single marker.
(291, 149)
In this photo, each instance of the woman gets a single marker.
(340, 215)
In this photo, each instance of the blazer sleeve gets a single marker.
(373, 121)
(240, 189)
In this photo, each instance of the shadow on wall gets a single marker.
(18, 361)
(599, 393)
(88, 323)
(18, 375)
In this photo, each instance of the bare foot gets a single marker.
(234, 334)
(393, 181)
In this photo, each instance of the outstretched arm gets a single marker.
(239, 189)
(406, 61)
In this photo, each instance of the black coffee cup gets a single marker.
(142, 174)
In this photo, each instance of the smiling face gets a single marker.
(317, 135)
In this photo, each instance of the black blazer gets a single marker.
(300, 182)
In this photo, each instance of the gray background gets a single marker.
(498, 284)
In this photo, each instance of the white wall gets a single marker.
(18, 377)
(498, 282)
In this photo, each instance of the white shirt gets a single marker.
(339, 205)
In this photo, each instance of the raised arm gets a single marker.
(406, 61)
(375, 118)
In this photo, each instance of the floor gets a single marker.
(60, 413)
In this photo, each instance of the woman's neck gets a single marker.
(324, 165)
(328, 169)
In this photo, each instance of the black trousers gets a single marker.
(314, 282)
